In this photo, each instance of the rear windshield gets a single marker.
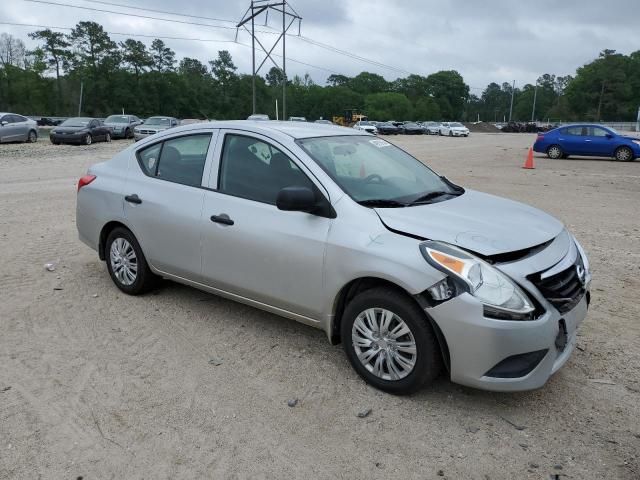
(158, 121)
(117, 119)
(76, 122)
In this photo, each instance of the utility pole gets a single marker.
(535, 96)
(80, 102)
(289, 17)
(638, 121)
(513, 91)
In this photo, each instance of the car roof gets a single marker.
(292, 129)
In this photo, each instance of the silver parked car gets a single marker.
(122, 126)
(17, 128)
(345, 232)
(153, 125)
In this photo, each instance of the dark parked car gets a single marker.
(587, 140)
(412, 129)
(122, 125)
(387, 128)
(84, 130)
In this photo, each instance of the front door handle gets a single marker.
(223, 218)
(133, 199)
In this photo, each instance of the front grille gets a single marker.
(148, 132)
(565, 289)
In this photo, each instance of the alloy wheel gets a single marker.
(624, 154)
(124, 262)
(384, 344)
(32, 137)
(87, 139)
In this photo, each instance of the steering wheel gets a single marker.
(372, 177)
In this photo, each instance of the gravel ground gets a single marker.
(96, 384)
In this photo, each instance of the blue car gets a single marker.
(587, 140)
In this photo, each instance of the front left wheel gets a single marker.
(126, 263)
(389, 341)
(624, 154)
(32, 137)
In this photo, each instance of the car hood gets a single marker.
(475, 221)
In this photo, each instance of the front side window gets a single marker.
(179, 160)
(256, 170)
(599, 132)
(371, 169)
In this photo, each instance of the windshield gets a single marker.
(158, 121)
(373, 169)
(366, 123)
(117, 119)
(455, 124)
(76, 122)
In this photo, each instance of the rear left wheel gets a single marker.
(126, 263)
(389, 341)
(32, 137)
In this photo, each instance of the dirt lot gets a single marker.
(96, 384)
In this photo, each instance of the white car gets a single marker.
(366, 126)
(453, 129)
(431, 128)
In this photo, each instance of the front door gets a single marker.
(163, 201)
(9, 132)
(249, 247)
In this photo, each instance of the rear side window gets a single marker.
(179, 160)
(578, 131)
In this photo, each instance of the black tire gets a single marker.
(428, 362)
(145, 279)
(107, 137)
(55, 142)
(87, 140)
(624, 154)
(554, 152)
(127, 133)
(32, 136)
(450, 133)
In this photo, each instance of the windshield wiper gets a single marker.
(427, 197)
(382, 203)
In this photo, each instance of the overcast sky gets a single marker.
(484, 40)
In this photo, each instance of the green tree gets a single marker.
(387, 106)
(135, 56)
(55, 48)
(164, 59)
(366, 83)
(449, 91)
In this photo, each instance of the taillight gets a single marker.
(86, 180)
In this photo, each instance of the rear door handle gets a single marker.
(223, 218)
(133, 199)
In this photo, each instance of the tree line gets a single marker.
(149, 80)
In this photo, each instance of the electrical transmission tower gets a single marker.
(289, 17)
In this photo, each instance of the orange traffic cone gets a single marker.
(529, 161)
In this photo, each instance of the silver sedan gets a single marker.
(343, 231)
(17, 128)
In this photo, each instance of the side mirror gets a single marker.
(296, 199)
(302, 199)
(4, 122)
(609, 136)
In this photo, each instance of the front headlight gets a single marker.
(137, 130)
(502, 297)
(583, 254)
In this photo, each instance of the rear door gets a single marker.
(573, 140)
(267, 255)
(163, 200)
